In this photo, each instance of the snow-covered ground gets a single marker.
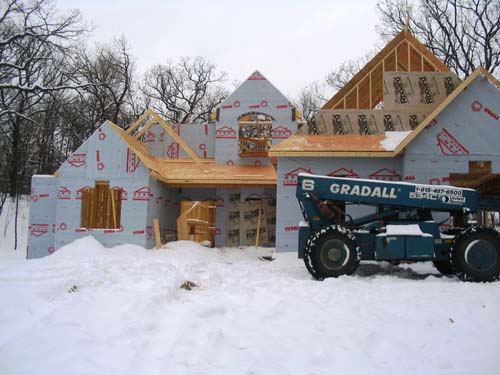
(91, 310)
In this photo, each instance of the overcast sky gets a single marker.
(292, 43)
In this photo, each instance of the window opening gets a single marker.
(101, 207)
(254, 136)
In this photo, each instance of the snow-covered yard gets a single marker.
(91, 310)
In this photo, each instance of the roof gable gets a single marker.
(103, 151)
(403, 53)
(255, 91)
(440, 108)
(369, 145)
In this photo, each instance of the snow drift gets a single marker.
(91, 310)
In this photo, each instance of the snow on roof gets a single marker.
(326, 144)
(393, 139)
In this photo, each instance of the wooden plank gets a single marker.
(113, 209)
(371, 93)
(378, 154)
(86, 202)
(185, 160)
(118, 205)
(357, 96)
(197, 221)
(92, 223)
(489, 76)
(259, 219)
(340, 99)
(480, 167)
(396, 58)
(139, 121)
(408, 50)
(439, 66)
(180, 141)
(108, 220)
(361, 74)
(156, 226)
(146, 127)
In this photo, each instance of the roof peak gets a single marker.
(404, 53)
(256, 76)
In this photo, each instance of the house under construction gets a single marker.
(404, 116)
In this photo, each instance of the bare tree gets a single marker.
(311, 98)
(342, 74)
(186, 91)
(105, 79)
(34, 41)
(462, 33)
(106, 75)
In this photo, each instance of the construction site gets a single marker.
(231, 182)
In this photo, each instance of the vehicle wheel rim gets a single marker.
(481, 255)
(334, 254)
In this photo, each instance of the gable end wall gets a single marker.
(468, 129)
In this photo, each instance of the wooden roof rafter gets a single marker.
(365, 90)
(139, 120)
(299, 146)
(151, 118)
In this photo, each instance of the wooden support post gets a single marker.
(371, 94)
(409, 56)
(259, 219)
(357, 96)
(113, 208)
(156, 226)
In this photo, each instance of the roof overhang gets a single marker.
(186, 173)
(370, 146)
(326, 145)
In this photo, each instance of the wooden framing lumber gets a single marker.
(101, 207)
(288, 149)
(156, 225)
(365, 89)
(113, 208)
(339, 154)
(196, 221)
(259, 220)
(180, 141)
(144, 129)
(139, 121)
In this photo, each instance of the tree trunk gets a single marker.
(14, 164)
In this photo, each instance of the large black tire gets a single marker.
(331, 252)
(445, 267)
(475, 254)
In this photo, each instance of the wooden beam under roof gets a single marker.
(365, 90)
(148, 112)
(154, 118)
